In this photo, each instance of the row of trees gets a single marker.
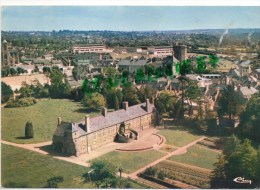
(113, 97)
(6, 71)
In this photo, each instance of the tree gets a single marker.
(250, 119)
(29, 130)
(60, 87)
(242, 162)
(165, 102)
(146, 93)
(114, 98)
(228, 102)
(6, 92)
(120, 170)
(13, 71)
(46, 69)
(103, 173)
(110, 71)
(130, 95)
(94, 101)
(191, 92)
(53, 182)
(240, 159)
(26, 90)
(139, 76)
(218, 178)
(213, 60)
(36, 69)
(201, 64)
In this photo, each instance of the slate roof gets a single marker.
(133, 62)
(100, 122)
(116, 117)
(71, 127)
(245, 63)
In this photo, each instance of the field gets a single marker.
(224, 65)
(43, 116)
(33, 169)
(178, 137)
(185, 173)
(16, 81)
(198, 156)
(131, 161)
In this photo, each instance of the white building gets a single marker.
(160, 51)
(89, 48)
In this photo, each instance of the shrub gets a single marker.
(53, 182)
(161, 175)
(29, 130)
(151, 171)
(22, 102)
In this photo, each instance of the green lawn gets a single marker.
(131, 161)
(43, 116)
(198, 156)
(178, 136)
(27, 167)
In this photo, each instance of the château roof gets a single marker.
(119, 116)
(100, 122)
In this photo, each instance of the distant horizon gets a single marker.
(127, 18)
(71, 30)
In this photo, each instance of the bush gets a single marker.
(94, 101)
(161, 175)
(150, 172)
(53, 182)
(29, 130)
(22, 102)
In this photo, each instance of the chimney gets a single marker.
(147, 105)
(104, 111)
(59, 121)
(248, 86)
(87, 123)
(125, 105)
(238, 87)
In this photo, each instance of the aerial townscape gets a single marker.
(130, 109)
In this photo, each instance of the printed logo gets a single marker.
(242, 180)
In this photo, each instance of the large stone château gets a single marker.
(84, 136)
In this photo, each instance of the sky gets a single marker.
(127, 18)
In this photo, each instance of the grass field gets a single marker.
(33, 169)
(131, 161)
(177, 136)
(198, 156)
(43, 116)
